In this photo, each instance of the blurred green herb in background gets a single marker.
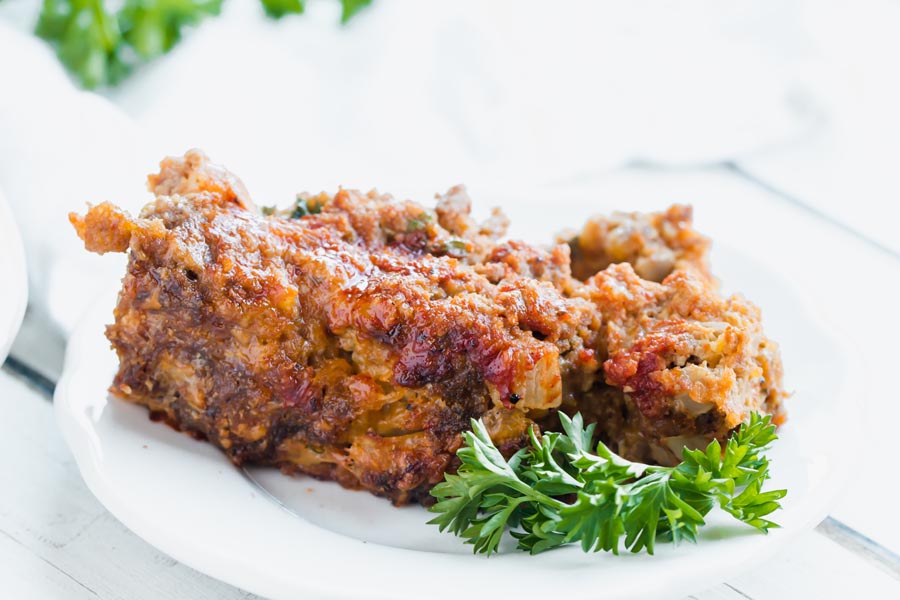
(351, 7)
(101, 45)
(278, 8)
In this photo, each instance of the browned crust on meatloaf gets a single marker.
(356, 343)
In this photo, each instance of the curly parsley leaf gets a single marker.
(557, 492)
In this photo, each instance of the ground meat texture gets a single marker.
(355, 339)
(654, 244)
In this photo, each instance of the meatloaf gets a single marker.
(352, 337)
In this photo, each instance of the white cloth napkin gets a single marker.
(411, 97)
(59, 149)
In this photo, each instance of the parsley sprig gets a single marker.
(557, 492)
(101, 41)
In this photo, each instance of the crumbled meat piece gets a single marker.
(655, 244)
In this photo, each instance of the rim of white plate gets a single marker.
(12, 271)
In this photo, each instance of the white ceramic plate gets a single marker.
(285, 537)
(14, 296)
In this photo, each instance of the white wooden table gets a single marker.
(57, 541)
